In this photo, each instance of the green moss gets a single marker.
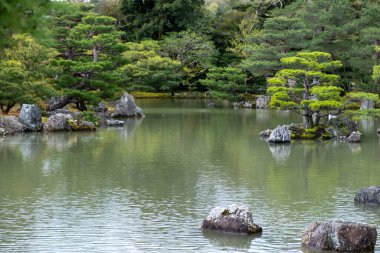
(308, 136)
(326, 136)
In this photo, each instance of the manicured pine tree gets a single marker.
(307, 86)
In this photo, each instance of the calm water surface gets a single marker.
(147, 186)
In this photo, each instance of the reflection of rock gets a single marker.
(234, 218)
(30, 116)
(234, 241)
(355, 147)
(340, 236)
(29, 145)
(262, 102)
(280, 134)
(369, 195)
(367, 124)
(113, 122)
(280, 152)
(60, 141)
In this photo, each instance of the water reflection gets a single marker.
(230, 240)
(355, 147)
(280, 152)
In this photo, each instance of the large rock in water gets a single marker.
(262, 102)
(354, 137)
(281, 134)
(340, 236)
(234, 218)
(58, 122)
(10, 125)
(369, 195)
(127, 107)
(30, 116)
(367, 104)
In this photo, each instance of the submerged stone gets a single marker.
(340, 236)
(369, 195)
(234, 218)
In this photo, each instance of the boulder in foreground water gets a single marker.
(234, 218)
(340, 236)
(369, 195)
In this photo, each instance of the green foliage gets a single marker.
(196, 54)
(361, 96)
(311, 89)
(146, 70)
(21, 16)
(25, 73)
(376, 73)
(226, 82)
(90, 56)
(90, 116)
(153, 19)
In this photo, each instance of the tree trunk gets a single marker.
(81, 105)
(70, 54)
(95, 53)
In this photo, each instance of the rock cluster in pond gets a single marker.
(340, 236)
(234, 218)
(281, 134)
(369, 195)
(30, 117)
(126, 107)
(242, 104)
(262, 102)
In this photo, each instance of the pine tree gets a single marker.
(308, 86)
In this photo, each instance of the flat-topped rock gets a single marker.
(234, 218)
(340, 236)
(369, 195)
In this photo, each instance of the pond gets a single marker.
(147, 186)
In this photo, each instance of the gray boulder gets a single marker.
(55, 103)
(11, 125)
(262, 102)
(281, 134)
(242, 104)
(367, 104)
(354, 137)
(340, 236)
(234, 218)
(369, 195)
(265, 134)
(112, 122)
(101, 108)
(30, 116)
(58, 122)
(127, 107)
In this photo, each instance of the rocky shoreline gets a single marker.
(30, 119)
